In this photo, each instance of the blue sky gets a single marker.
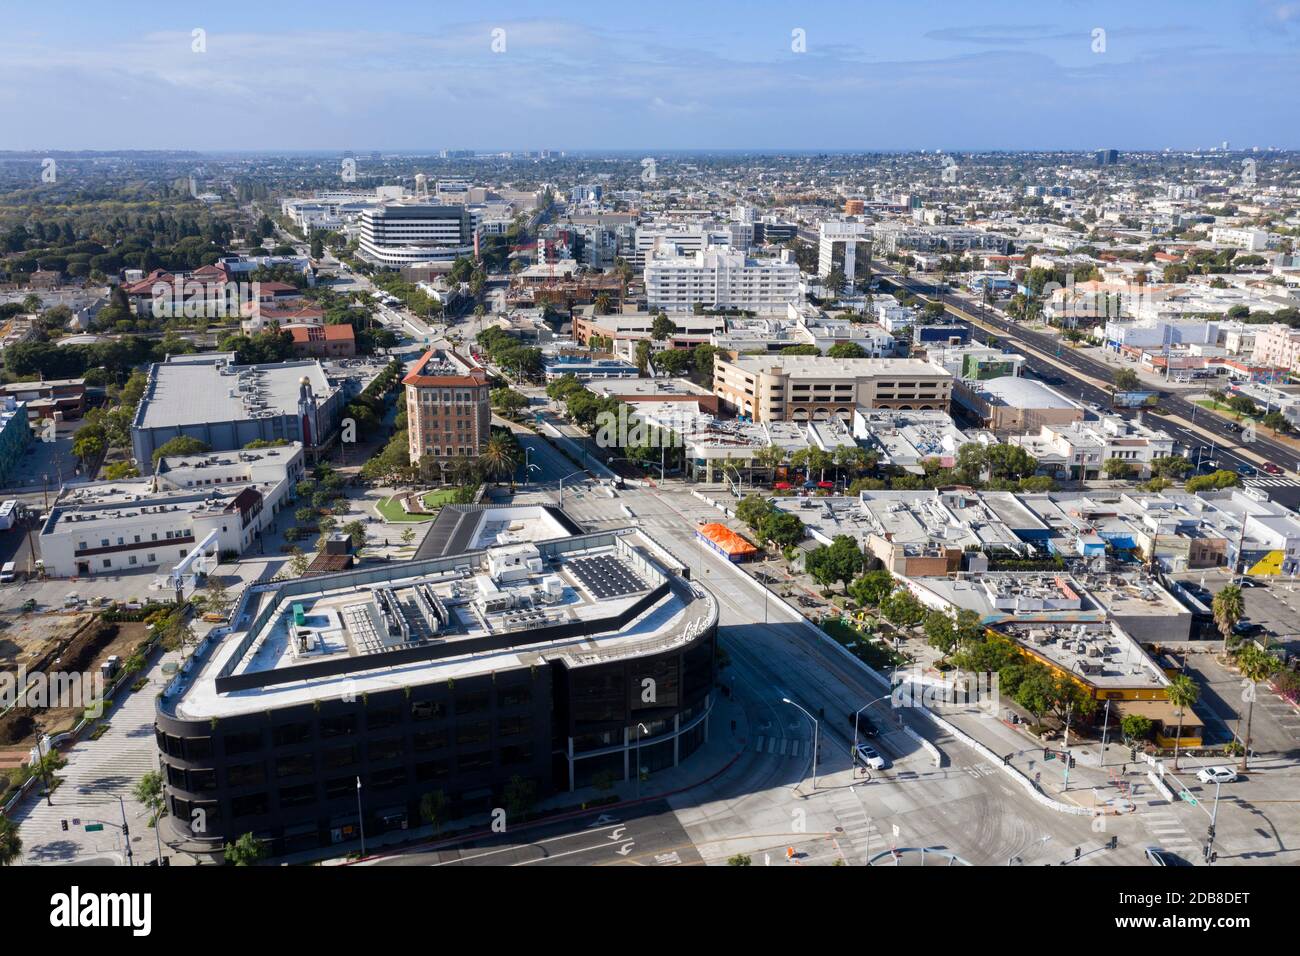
(396, 75)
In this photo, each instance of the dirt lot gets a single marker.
(71, 643)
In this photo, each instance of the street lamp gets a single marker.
(361, 820)
(853, 755)
(641, 730)
(816, 732)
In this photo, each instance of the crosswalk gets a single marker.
(1168, 832)
(781, 746)
(1271, 482)
(860, 837)
(97, 773)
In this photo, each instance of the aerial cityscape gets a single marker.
(677, 437)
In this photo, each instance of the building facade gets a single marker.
(396, 234)
(721, 279)
(811, 388)
(448, 407)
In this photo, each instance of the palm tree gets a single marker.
(1183, 693)
(11, 844)
(1228, 608)
(498, 458)
(1255, 665)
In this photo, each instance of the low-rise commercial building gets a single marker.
(112, 527)
(806, 388)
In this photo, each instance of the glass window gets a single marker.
(246, 774)
(295, 733)
(243, 743)
(298, 765)
(339, 726)
(380, 718)
(428, 710)
(251, 805)
(299, 796)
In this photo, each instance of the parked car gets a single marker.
(1246, 628)
(1216, 775)
(868, 756)
(1159, 857)
(1271, 468)
(1252, 583)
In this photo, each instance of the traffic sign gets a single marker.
(94, 827)
(1188, 798)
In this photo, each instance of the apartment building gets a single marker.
(15, 434)
(800, 388)
(1277, 345)
(675, 239)
(448, 408)
(396, 234)
(718, 278)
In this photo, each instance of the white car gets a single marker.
(868, 756)
(1216, 775)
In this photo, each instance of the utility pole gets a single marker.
(126, 831)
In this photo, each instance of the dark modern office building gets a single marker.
(529, 660)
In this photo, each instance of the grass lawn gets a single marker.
(436, 499)
(391, 508)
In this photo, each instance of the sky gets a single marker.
(394, 75)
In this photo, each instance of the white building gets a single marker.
(720, 278)
(675, 239)
(112, 527)
(397, 234)
(844, 234)
(1250, 240)
(1081, 449)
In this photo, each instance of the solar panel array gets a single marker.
(606, 577)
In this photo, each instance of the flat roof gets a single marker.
(195, 393)
(1019, 392)
(580, 600)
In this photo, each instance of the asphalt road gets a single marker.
(644, 835)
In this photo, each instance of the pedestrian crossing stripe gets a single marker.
(1272, 482)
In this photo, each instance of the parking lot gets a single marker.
(1273, 603)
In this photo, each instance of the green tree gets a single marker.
(872, 588)
(1135, 727)
(940, 632)
(180, 445)
(1183, 693)
(663, 328)
(902, 609)
(148, 791)
(782, 528)
(1125, 380)
(752, 510)
(1117, 469)
(246, 851)
(846, 350)
(740, 859)
(1255, 665)
(11, 843)
(498, 458)
(1228, 607)
(520, 796)
(840, 561)
(432, 805)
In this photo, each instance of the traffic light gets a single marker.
(1133, 754)
(1114, 843)
(1072, 761)
(1077, 853)
(63, 824)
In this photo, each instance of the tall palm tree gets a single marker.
(498, 458)
(11, 844)
(1255, 665)
(1183, 693)
(1228, 608)
(464, 471)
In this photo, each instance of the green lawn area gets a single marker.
(391, 508)
(436, 499)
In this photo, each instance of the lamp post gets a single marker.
(361, 820)
(853, 755)
(816, 731)
(641, 730)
